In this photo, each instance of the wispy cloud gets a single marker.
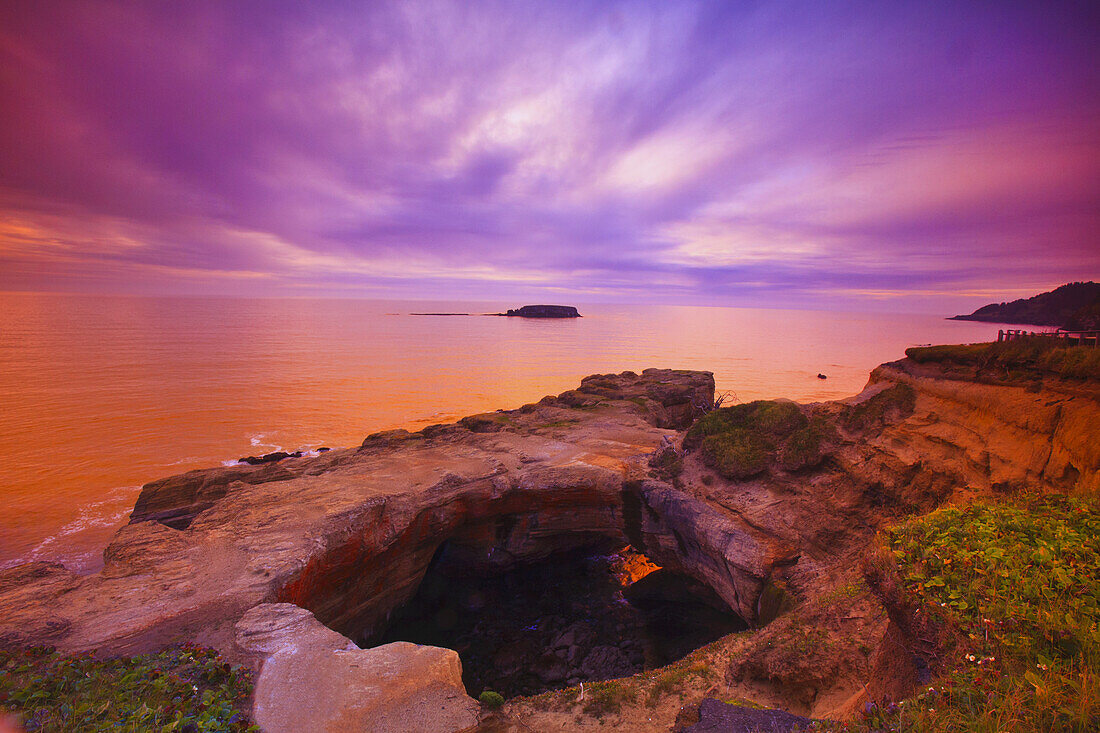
(716, 151)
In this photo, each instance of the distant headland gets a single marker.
(1075, 306)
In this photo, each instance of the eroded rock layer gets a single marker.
(769, 506)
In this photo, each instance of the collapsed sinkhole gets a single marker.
(586, 614)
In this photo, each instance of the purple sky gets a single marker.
(924, 155)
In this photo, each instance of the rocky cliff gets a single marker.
(769, 505)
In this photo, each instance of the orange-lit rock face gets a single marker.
(494, 524)
(631, 566)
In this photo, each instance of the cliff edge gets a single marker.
(291, 566)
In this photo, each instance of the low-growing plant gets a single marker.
(669, 466)
(1018, 583)
(738, 453)
(842, 596)
(184, 688)
(807, 446)
(602, 698)
(673, 678)
(1019, 359)
(893, 403)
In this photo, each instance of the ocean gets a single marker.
(99, 395)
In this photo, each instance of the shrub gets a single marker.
(737, 453)
(763, 416)
(807, 447)
(740, 441)
(490, 699)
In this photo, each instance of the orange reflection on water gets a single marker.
(101, 394)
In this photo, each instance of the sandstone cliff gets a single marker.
(776, 531)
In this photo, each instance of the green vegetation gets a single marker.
(896, 402)
(802, 638)
(602, 698)
(1019, 359)
(842, 596)
(487, 422)
(608, 697)
(182, 689)
(1018, 585)
(556, 424)
(807, 446)
(672, 678)
(741, 440)
(491, 699)
(668, 466)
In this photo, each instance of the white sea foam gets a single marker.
(110, 511)
(261, 440)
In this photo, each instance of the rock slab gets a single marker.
(313, 680)
(719, 717)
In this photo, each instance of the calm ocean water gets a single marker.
(99, 395)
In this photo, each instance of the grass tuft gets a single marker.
(1019, 359)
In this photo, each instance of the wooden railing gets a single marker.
(1076, 338)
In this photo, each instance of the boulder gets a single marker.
(720, 717)
(312, 679)
(270, 457)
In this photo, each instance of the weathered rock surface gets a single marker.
(719, 717)
(269, 457)
(313, 680)
(348, 535)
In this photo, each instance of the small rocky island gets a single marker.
(544, 311)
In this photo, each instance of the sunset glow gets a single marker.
(793, 153)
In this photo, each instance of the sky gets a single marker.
(925, 155)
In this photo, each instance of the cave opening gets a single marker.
(581, 615)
